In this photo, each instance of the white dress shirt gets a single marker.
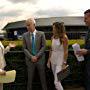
(35, 31)
(2, 52)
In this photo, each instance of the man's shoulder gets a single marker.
(40, 32)
(25, 33)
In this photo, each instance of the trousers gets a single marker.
(55, 70)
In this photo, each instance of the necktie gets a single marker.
(33, 45)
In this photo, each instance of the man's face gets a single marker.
(87, 19)
(30, 26)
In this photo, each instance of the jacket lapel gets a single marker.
(36, 38)
(29, 39)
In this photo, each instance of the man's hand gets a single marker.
(81, 52)
(34, 59)
(2, 72)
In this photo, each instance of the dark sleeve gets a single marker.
(88, 52)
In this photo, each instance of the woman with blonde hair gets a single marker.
(59, 51)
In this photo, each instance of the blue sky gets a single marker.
(16, 10)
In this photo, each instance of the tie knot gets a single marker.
(32, 34)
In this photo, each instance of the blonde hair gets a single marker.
(60, 30)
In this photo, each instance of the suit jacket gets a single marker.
(2, 52)
(40, 46)
(87, 44)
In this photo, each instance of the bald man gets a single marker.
(34, 44)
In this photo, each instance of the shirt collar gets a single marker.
(34, 32)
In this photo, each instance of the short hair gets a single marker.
(31, 19)
(87, 11)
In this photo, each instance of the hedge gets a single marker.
(48, 43)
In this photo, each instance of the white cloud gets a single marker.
(13, 10)
(23, 1)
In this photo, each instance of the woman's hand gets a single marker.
(64, 65)
(48, 64)
(12, 45)
(2, 72)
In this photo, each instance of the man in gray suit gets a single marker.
(34, 44)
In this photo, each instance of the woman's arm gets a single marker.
(48, 62)
(50, 52)
(65, 45)
(7, 49)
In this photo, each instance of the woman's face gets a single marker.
(54, 30)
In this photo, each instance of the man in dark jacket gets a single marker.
(86, 51)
